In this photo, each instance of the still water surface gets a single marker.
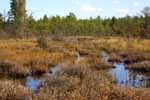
(127, 78)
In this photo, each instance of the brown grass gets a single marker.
(27, 56)
(75, 83)
(133, 57)
(24, 56)
(12, 90)
(80, 83)
(12, 69)
(77, 80)
(114, 58)
(140, 66)
(100, 64)
(115, 44)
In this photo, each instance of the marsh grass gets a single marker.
(12, 69)
(26, 56)
(115, 44)
(100, 64)
(140, 66)
(73, 83)
(133, 57)
(21, 57)
(76, 81)
(114, 58)
(82, 83)
(13, 90)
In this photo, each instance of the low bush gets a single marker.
(42, 42)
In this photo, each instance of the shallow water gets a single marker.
(34, 83)
(126, 77)
(130, 78)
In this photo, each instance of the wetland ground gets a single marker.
(75, 68)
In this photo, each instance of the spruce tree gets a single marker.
(18, 15)
(1, 21)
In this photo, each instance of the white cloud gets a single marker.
(100, 9)
(122, 12)
(88, 10)
(136, 4)
(116, 1)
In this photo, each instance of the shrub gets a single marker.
(42, 42)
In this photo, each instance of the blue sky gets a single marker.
(81, 8)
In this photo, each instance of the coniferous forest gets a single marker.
(71, 58)
(70, 25)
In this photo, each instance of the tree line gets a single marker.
(19, 24)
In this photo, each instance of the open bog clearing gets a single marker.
(75, 68)
(95, 52)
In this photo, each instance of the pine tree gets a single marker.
(146, 24)
(18, 15)
(1, 21)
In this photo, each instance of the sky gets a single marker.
(81, 8)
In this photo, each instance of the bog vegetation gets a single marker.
(82, 79)
(30, 47)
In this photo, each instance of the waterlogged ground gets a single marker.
(34, 83)
(129, 78)
(125, 77)
(75, 68)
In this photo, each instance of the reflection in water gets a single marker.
(127, 78)
(120, 74)
(35, 83)
(32, 83)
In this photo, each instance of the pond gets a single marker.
(34, 83)
(130, 78)
(123, 77)
(127, 78)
